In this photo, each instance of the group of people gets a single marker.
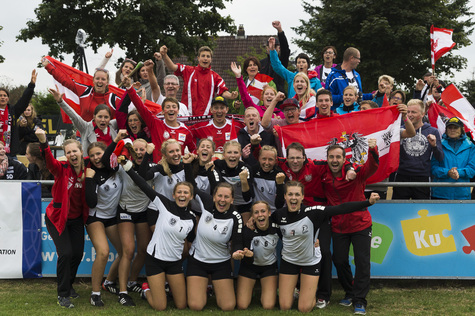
(221, 190)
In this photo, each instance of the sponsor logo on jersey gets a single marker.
(172, 222)
(208, 219)
(166, 135)
(227, 136)
(181, 137)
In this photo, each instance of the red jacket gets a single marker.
(88, 98)
(338, 191)
(57, 210)
(200, 86)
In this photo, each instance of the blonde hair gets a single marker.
(78, 143)
(351, 88)
(268, 148)
(163, 150)
(231, 143)
(306, 96)
(387, 78)
(419, 103)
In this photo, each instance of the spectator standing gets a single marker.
(458, 164)
(328, 56)
(416, 153)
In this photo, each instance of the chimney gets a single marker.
(240, 32)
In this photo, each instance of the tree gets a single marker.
(45, 104)
(467, 87)
(2, 59)
(393, 36)
(138, 26)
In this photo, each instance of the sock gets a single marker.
(96, 293)
(123, 292)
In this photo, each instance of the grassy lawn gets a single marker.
(386, 297)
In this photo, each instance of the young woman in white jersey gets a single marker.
(103, 190)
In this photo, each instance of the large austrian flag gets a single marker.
(83, 78)
(257, 85)
(455, 105)
(352, 132)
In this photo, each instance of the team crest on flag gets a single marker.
(351, 131)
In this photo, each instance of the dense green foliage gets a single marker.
(139, 27)
(393, 36)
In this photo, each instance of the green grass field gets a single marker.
(386, 297)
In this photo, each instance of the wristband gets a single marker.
(128, 165)
(405, 120)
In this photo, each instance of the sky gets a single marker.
(256, 16)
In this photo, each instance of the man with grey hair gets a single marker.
(171, 85)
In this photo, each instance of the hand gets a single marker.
(431, 80)
(402, 108)
(280, 178)
(163, 51)
(279, 97)
(122, 160)
(256, 139)
(23, 122)
(209, 165)
(44, 61)
(148, 64)
(453, 173)
(372, 142)
(150, 148)
(274, 131)
(246, 151)
(277, 26)
(420, 84)
(121, 134)
(237, 104)
(126, 82)
(90, 173)
(41, 135)
(56, 95)
(188, 158)
(373, 198)
(34, 75)
(317, 243)
(109, 54)
(236, 70)
(238, 255)
(251, 223)
(350, 175)
(234, 95)
(271, 42)
(136, 85)
(432, 140)
(142, 94)
(247, 252)
(243, 175)
(157, 56)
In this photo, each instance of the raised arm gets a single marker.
(266, 118)
(152, 79)
(25, 99)
(167, 60)
(246, 99)
(77, 120)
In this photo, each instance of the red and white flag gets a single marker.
(456, 105)
(255, 88)
(352, 132)
(83, 78)
(440, 43)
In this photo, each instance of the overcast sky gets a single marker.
(256, 16)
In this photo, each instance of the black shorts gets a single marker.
(218, 271)
(254, 272)
(290, 268)
(106, 221)
(136, 218)
(154, 266)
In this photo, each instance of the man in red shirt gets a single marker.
(219, 129)
(201, 84)
(354, 228)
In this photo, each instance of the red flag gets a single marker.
(83, 78)
(352, 132)
(456, 105)
(255, 88)
(385, 101)
(440, 43)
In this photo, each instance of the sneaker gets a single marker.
(347, 301)
(111, 288)
(145, 288)
(73, 293)
(65, 302)
(96, 300)
(321, 303)
(126, 300)
(169, 294)
(360, 309)
(137, 288)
